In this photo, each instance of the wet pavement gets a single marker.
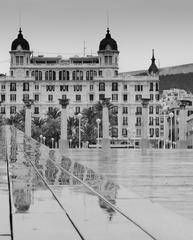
(110, 201)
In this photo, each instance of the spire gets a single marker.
(20, 35)
(108, 35)
(153, 58)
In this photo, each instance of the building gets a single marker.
(83, 80)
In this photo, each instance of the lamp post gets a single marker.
(41, 138)
(171, 127)
(79, 132)
(70, 143)
(98, 123)
(52, 139)
(44, 140)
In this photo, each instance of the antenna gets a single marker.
(84, 49)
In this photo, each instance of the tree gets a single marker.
(53, 113)
(18, 120)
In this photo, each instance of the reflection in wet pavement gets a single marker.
(36, 210)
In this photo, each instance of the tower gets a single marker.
(153, 70)
(108, 56)
(20, 56)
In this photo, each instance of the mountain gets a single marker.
(180, 76)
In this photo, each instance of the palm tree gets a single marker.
(18, 120)
(53, 113)
(37, 127)
(72, 128)
(51, 129)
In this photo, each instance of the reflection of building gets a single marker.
(84, 80)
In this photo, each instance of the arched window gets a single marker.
(74, 75)
(67, 75)
(87, 75)
(32, 73)
(101, 86)
(81, 75)
(95, 74)
(46, 75)
(53, 75)
(60, 75)
(40, 75)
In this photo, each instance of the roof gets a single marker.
(20, 41)
(108, 41)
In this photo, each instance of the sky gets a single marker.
(60, 27)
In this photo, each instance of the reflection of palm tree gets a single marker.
(37, 127)
(52, 130)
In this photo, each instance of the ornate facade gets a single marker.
(83, 80)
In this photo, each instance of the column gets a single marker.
(105, 124)
(182, 142)
(28, 104)
(63, 144)
(144, 130)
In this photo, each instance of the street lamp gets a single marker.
(98, 122)
(44, 140)
(171, 116)
(79, 133)
(41, 138)
(52, 139)
(70, 143)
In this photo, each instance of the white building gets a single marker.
(83, 80)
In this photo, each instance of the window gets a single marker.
(151, 119)
(138, 88)
(138, 97)
(77, 110)
(157, 121)
(124, 132)
(36, 97)
(38, 75)
(138, 121)
(157, 109)
(36, 110)
(27, 74)
(150, 109)
(50, 109)
(151, 87)
(157, 97)
(3, 87)
(50, 88)
(114, 97)
(2, 97)
(25, 97)
(50, 75)
(25, 86)
(125, 97)
(157, 86)
(125, 110)
(12, 109)
(157, 132)
(125, 120)
(114, 132)
(12, 86)
(139, 111)
(78, 98)
(91, 97)
(101, 96)
(64, 88)
(101, 86)
(91, 87)
(12, 97)
(36, 87)
(115, 86)
(151, 132)
(50, 98)
(138, 132)
(90, 74)
(77, 75)
(108, 60)
(77, 88)
(11, 73)
(64, 75)
(2, 110)
(151, 97)
(116, 73)
(19, 60)
(125, 87)
(100, 73)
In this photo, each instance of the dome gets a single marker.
(108, 41)
(153, 68)
(20, 41)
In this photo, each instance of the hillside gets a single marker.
(172, 77)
